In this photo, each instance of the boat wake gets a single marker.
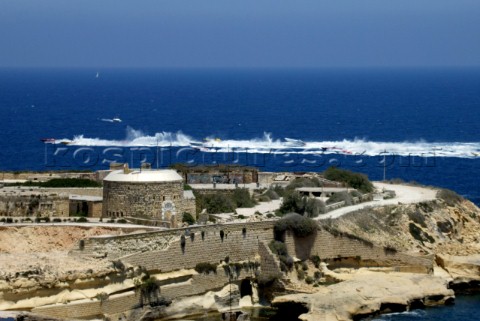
(266, 144)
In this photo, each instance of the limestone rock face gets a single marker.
(461, 268)
(368, 293)
(229, 295)
(432, 227)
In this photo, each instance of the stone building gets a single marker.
(155, 195)
(87, 205)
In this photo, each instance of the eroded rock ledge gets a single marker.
(369, 293)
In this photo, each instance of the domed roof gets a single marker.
(137, 176)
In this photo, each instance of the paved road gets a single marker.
(404, 194)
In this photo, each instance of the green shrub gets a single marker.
(82, 220)
(300, 274)
(64, 182)
(314, 207)
(355, 180)
(317, 275)
(215, 203)
(315, 260)
(271, 194)
(293, 203)
(264, 198)
(279, 190)
(122, 221)
(355, 194)
(102, 297)
(148, 288)
(309, 280)
(206, 268)
(242, 198)
(57, 220)
(301, 226)
(341, 197)
(188, 218)
(303, 182)
(304, 266)
(278, 248)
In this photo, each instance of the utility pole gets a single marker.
(384, 165)
(157, 152)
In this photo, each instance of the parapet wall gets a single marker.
(163, 250)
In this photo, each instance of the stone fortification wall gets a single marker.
(45, 176)
(342, 249)
(88, 191)
(188, 206)
(196, 284)
(42, 205)
(33, 201)
(162, 250)
(269, 262)
(173, 249)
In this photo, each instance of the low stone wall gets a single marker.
(87, 191)
(334, 249)
(197, 284)
(90, 308)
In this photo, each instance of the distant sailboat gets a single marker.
(97, 75)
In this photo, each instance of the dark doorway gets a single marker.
(245, 288)
(85, 208)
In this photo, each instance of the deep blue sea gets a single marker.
(425, 122)
(419, 125)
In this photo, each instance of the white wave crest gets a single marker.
(266, 144)
(412, 314)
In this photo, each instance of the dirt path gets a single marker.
(404, 194)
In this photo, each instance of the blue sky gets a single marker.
(239, 33)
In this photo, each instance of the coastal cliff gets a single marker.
(445, 229)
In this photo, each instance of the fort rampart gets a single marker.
(183, 248)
